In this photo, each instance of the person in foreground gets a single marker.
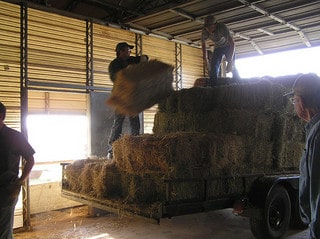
(123, 59)
(220, 35)
(305, 97)
(12, 145)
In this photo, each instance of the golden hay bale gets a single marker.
(140, 86)
(225, 121)
(261, 95)
(145, 153)
(144, 188)
(74, 172)
(106, 181)
(193, 155)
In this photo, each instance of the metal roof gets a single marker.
(258, 26)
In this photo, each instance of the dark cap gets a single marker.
(306, 85)
(122, 45)
(209, 20)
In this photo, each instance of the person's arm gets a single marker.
(230, 56)
(204, 51)
(114, 67)
(314, 166)
(27, 168)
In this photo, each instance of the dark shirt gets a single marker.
(119, 64)
(12, 145)
(309, 189)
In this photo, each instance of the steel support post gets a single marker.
(178, 62)
(89, 55)
(24, 103)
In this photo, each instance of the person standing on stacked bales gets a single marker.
(12, 145)
(305, 96)
(123, 59)
(220, 35)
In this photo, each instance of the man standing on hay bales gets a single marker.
(220, 35)
(305, 97)
(123, 59)
(12, 146)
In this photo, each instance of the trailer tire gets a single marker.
(273, 221)
(297, 221)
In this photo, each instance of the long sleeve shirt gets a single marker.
(309, 185)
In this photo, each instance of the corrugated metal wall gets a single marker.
(10, 62)
(192, 65)
(162, 50)
(105, 40)
(57, 61)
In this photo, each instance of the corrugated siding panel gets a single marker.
(10, 62)
(56, 51)
(57, 102)
(161, 50)
(56, 62)
(192, 65)
(105, 40)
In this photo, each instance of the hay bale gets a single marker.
(73, 172)
(219, 121)
(86, 178)
(194, 155)
(106, 181)
(140, 86)
(262, 95)
(143, 153)
(143, 188)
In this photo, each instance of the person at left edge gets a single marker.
(122, 60)
(13, 145)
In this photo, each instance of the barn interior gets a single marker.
(57, 53)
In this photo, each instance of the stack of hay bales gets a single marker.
(201, 133)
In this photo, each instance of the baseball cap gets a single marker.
(209, 20)
(123, 45)
(306, 85)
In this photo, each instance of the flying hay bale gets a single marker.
(140, 86)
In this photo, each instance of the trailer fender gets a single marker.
(262, 186)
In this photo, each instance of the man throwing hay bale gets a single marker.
(140, 86)
(123, 60)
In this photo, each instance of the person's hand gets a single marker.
(206, 64)
(144, 58)
(14, 189)
(229, 67)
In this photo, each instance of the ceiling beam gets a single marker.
(277, 19)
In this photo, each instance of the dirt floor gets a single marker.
(76, 224)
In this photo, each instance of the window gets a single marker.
(58, 137)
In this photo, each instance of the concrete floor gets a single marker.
(75, 223)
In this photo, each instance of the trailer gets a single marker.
(270, 201)
(231, 146)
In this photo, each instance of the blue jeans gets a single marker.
(116, 129)
(6, 219)
(215, 62)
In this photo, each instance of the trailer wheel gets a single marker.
(297, 221)
(274, 219)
